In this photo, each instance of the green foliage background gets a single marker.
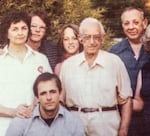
(61, 12)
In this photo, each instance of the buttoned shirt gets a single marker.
(95, 86)
(17, 78)
(124, 51)
(64, 124)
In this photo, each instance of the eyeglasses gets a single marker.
(35, 26)
(95, 38)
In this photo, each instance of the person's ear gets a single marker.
(103, 38)
(37, 99)
(145, 23)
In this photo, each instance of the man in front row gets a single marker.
(92, 81)
(49, 117)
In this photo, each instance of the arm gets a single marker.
(7, 112)
(22, 111)
(63, 93)
(125, 93)
(57, 69)
(48, 67)
(126, 112)
(137, 101)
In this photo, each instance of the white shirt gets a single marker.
(17, 78)
(95, 86)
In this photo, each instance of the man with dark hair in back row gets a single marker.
(131, 51)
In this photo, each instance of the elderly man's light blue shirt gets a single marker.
(64, 124)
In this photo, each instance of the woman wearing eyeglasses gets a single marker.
(40, 29)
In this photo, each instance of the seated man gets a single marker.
(49, 117)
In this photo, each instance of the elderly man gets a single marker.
(131, 51)
(93, 80)
(49, 118)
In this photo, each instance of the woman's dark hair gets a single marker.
(13, 16)
(43, 16)
(75, 28)
(46, 77)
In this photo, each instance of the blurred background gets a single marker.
(61, 12)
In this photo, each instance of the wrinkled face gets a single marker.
(91, 38)
(38, 29)
(18, 33)
(70, 41)
(133, 24)
(48, 96)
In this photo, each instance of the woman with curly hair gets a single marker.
(19, 67)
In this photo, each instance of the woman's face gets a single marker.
(70, 42)
(38, 29)
(18, 33)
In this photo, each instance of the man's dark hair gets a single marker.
(12, 16)
(46, 77)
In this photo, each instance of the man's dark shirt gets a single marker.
(50, 49)
(125, 52)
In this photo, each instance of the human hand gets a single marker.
(122, 132)
(23, 111)
(121, 100)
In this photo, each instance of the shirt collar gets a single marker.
(29, 50)
(98, 61)
(81, 58)
(36, 112)
(100, 58)
(124, 45)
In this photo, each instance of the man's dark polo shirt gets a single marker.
(125, 52)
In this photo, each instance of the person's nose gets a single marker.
(91, 40)
(70, 41)
(37, 29)
(48, 96)
(20, 31)
(131, 26)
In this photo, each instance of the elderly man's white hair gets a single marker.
(91, 20)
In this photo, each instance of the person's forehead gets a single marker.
(68, 30)
(21, 22)
(38, 20)
(49, 84)
(91, 27)
(131, 14)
